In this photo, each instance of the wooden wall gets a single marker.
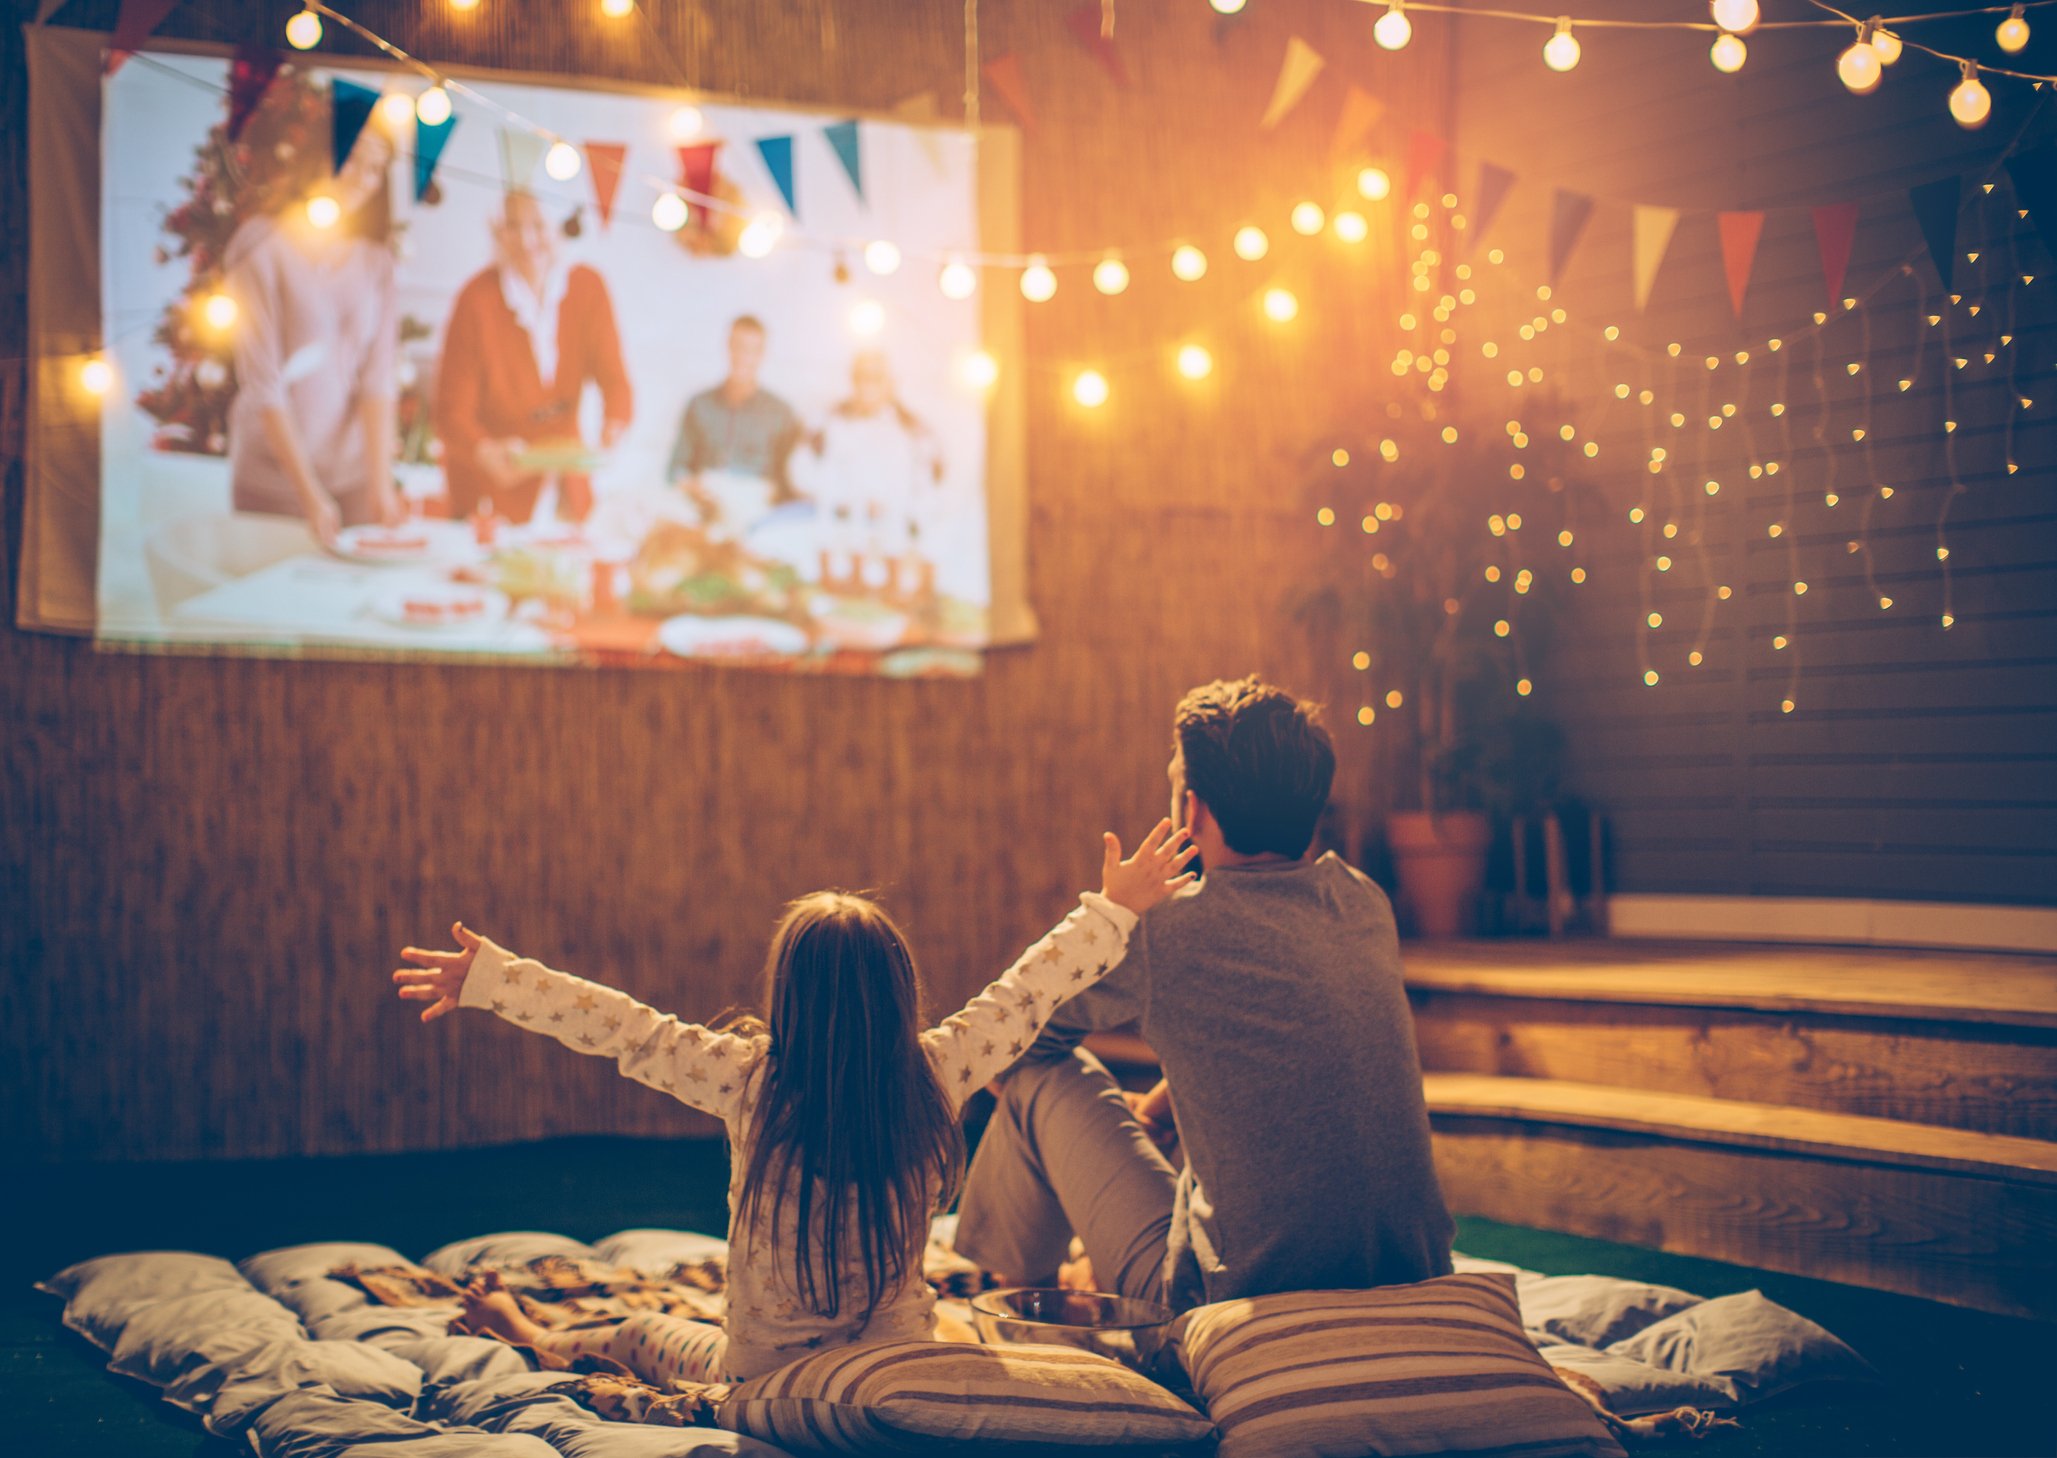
(1917, 762)
(206, 865)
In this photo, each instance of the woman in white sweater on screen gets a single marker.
(841, 1111)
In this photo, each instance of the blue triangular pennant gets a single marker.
(352, 105)
(777, 153)
(1935, 208)
(2034, 174)
(1568, 214)
(1494, 183)
(842, 139)
(428, 150)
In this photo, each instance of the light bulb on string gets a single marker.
(1728, 53)
(1351, 227)
(1090, 389)
(1970, 102)
(219, 310)
(1188, 263)
(1228, 7)
(669, 212)
(686, 123)
(303, 31)
(760, 235)
(1884, 42)
(1374, 184)
(1393, 29)
(1859, 67)
(1250, 243)
(1280, 306)
(2012, 33)
(867, 318)
(957, 279)
(396, 109)
(96, 376)
(1194, 362)
(1737, 16)
(562, 161)
(616, 9)
(432, 108)
(882, 256)
(1110, 275)
(464, 4)
(323, 211)
(1038, 283)
(1308, 219)
(1561, 50)
(978, 369)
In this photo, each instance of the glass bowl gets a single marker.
(1132, 1332)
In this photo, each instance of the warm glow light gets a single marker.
(219, 311)
(686, 123)
(1280, 306)
(1524, 687)
(1038, 283)
(867, 318)
(1228, 7)
(464, 4)
(324, 211)
(1502, 628)
(1308, 219)
(669, 212)
(1736, 15)
(1366, 714)
(432, 107)
(1110, 276)
(562, 161)
(1374, 184)
(1360, 660)
(616, 9)
(760, 235)
(1887, 45)
(1090, 389)
(1860, 68)
(1561, 51)
(1351, 227)
(957, 280)
(978, 369)
(882, 256)
(397, 108)
(96, 376)
(1251, 244)
(1970, 102)
(1194, 362)
(1650, 677)
(303, 31)
(1393, 29)
(1728, 53)
(2013, 32)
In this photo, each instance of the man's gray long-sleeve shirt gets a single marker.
(1272, 993)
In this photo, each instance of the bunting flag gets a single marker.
(1003, 74)
(520, 151)
(2034, 175)
(1835, 229)
(842, 139)
(1739, 235)
(138, 18)
(1568, 214)
(428, 151)
(250, 76)
(350, 106)
(920, 109)
(1935, 208)
(1302, 64)
(1494, 183)
(1652, 232)
(1424, 154)
(696, 175)
(1084, 24)
(1361, 112)
(777, 153)
(605, 160)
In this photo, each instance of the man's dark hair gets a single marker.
(747, 321)
(1259, 759)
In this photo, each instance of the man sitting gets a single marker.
(1271, 989)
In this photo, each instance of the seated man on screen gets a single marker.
(1271, 989)
(738, 429)
(525, 338)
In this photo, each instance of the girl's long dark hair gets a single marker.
(851, 1124)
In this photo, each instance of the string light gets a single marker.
(957, 279)
(323, 211)
(96, 376)
(1308, 219)
(1859, 67)
(669, 212)
(1351, 227)
(1090, 389)
(686, 123)
(432, 108)
(1188, 264)
(1885, 43)
(562, 161)
(1738, 16)
(1728, 53)
(1280, 306)
(760, 235)
(219, 311)
(463, 5)
(2012, 33)
(303, 31)
(1228, 7)
(978, 369)
(882, 257)
(1561, 50)
(1110, 275)
(1374, 184)
(397, 107)
(867, 318)
(1393, 29)
(1250, 243)
(1038, 283)
(1970, 102)
(1194, 362)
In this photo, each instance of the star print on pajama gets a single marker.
(719, 1073)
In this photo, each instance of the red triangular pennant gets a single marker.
(1835, 229)
(1003, 74)
(1084, 24)
(696, 175)
(133, 26)
(1739, 235)
(1424, 154)
(250, 77)
(605, 160)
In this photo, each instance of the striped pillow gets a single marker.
(938, 1397)
(1437, 1367)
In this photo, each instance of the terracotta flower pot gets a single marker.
(1440, 861)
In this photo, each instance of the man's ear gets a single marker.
(1195, 809)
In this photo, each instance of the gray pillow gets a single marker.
(261, 1376)
(166, 1340)
(508, 1248)
(270, 1270)
(1636, 1389)
(317, 1423)
(1756, 1345)
(446, 1361)
(653, 1252)
(383, 1323)
(1594, 1311)
(101, 1295)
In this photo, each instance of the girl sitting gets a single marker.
(842, 1114)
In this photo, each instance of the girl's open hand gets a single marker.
(1151, 874)
(443, 982)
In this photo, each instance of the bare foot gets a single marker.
(491, 1307)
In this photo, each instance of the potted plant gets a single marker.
(1448, 548)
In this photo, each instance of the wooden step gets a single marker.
(1948, 1214)
(1961, 1040)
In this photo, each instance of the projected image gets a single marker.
(568, 375)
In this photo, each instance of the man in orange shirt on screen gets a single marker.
(525, 338)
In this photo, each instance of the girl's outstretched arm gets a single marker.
(996, 1027)
(694, 1064)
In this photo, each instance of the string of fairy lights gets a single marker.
(959, 274)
